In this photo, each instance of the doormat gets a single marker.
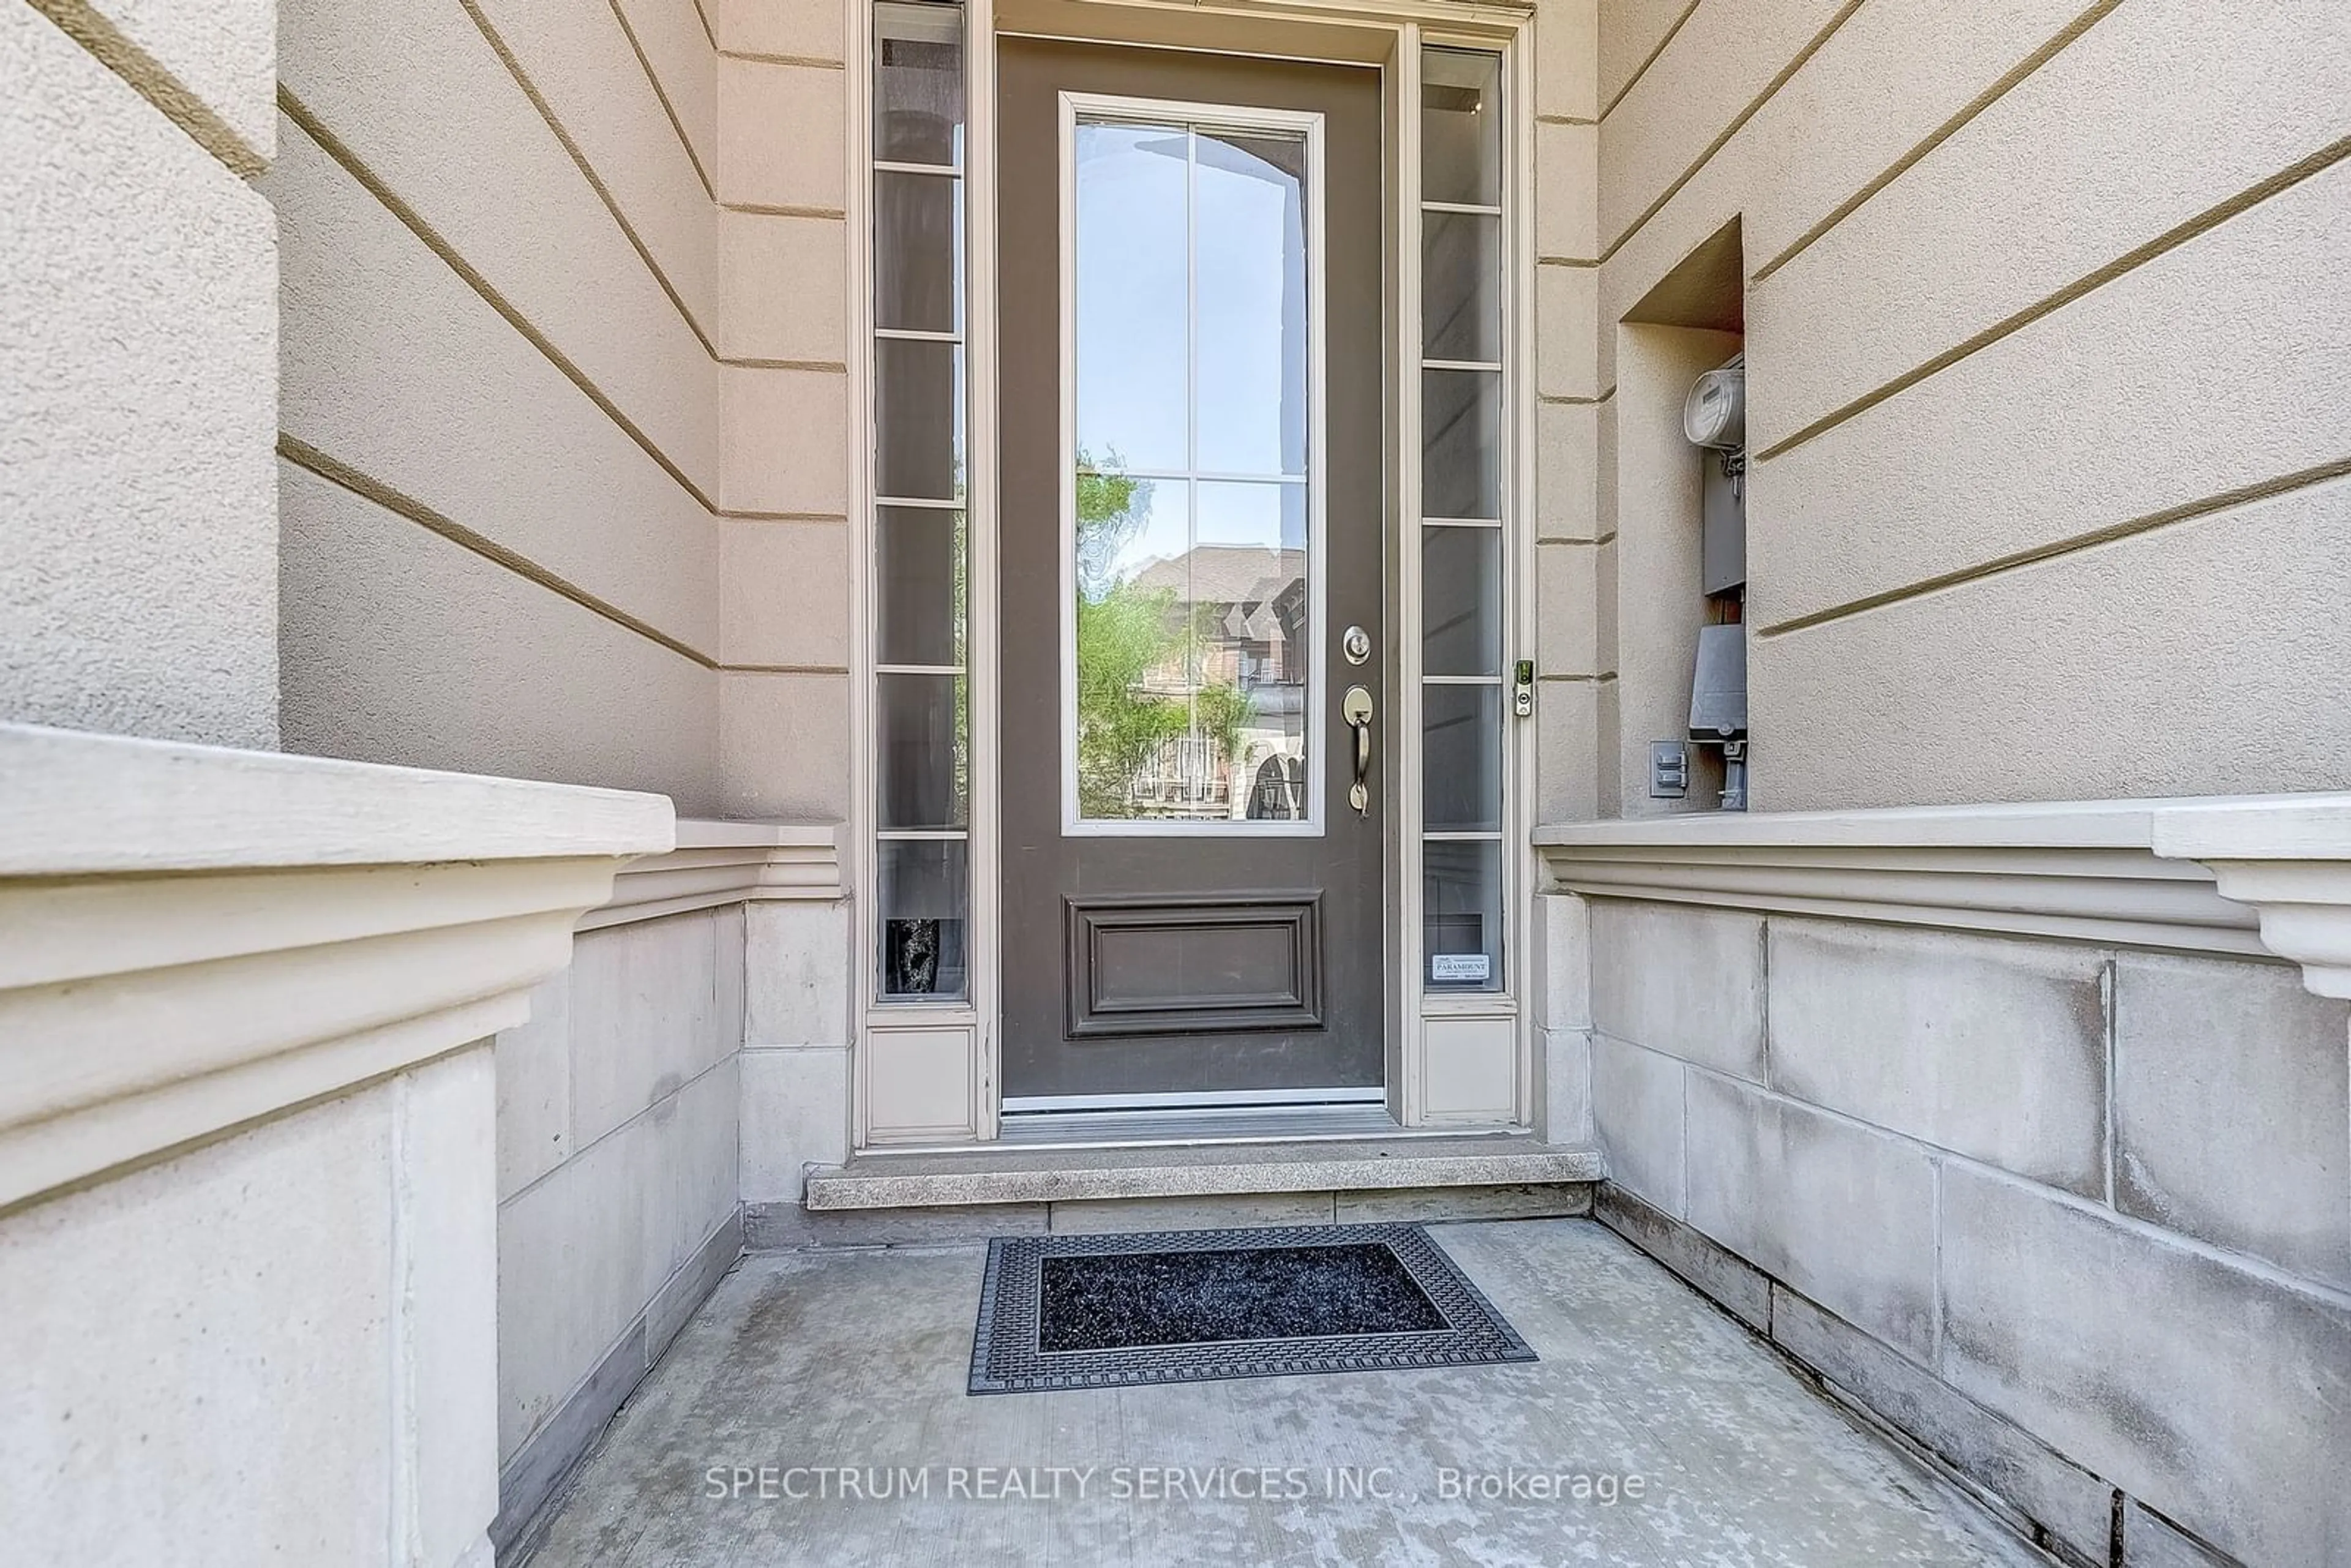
(1189, 1306)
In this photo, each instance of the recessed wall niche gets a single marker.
(1670, 593)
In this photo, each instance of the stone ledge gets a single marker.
(82, 805)
(789, 1227)
(2235, 875)
(2079, 871)
(982, 1176)
(195, 938)
(2289, 857)
(718, 864)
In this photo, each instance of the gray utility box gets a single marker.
(1718, 694)
(1722, 564)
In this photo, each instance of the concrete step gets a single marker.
(1431, 1165)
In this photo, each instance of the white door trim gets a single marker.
(902, 1047)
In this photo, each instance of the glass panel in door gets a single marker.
(1192, 544)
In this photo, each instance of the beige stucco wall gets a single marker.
(564, 322)
(138, 381)
(2048, 390)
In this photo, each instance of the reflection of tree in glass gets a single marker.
(1111, 509)
(1126, 634)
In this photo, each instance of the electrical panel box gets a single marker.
(1722, 556)
(1718, 693)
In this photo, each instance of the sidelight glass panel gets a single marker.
(920, 699)
(1462, 286)
(1461, 600)
(1461, 763)
(1250, 195)
(925, 766)
(1461, 444)
(1461, 126)
(918, 100)
(919, 595)
(1462, 915)
(923, 887)
(917, 261)
(918, 436)
(1194, 619)
(1464, 500)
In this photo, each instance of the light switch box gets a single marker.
(1668, 770)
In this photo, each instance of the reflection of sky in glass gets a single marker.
(1242, 288)
(1131, 296)
(1271, 517)
(1252, 306)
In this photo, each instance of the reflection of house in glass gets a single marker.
(1243, 753)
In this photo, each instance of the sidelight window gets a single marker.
(1463, 497)
(921, 698)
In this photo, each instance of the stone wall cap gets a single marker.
(2057, 824)
(77, 804)
(2274, 828)
(710, 833)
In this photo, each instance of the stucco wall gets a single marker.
(138, 381)
(2048, 396)
(564, 371)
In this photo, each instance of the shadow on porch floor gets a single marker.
(810, 1361)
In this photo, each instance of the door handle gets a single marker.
(1356, 709)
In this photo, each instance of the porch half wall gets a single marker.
(2003, 1128)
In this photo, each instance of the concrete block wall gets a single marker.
(796, 1057)
(138, 394)
(272, 1346)
(1991, 258)
(2077, 1218)
(617, 1179)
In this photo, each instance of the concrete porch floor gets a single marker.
(858, 1358)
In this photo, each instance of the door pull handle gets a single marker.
(1356, 709)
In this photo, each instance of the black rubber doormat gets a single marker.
(1188, 1306)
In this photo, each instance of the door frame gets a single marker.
(926, 1074)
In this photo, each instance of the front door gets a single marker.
(1193, 651)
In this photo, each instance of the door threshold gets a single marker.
(1213, 1124)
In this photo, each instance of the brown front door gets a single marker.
(1191, 526)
